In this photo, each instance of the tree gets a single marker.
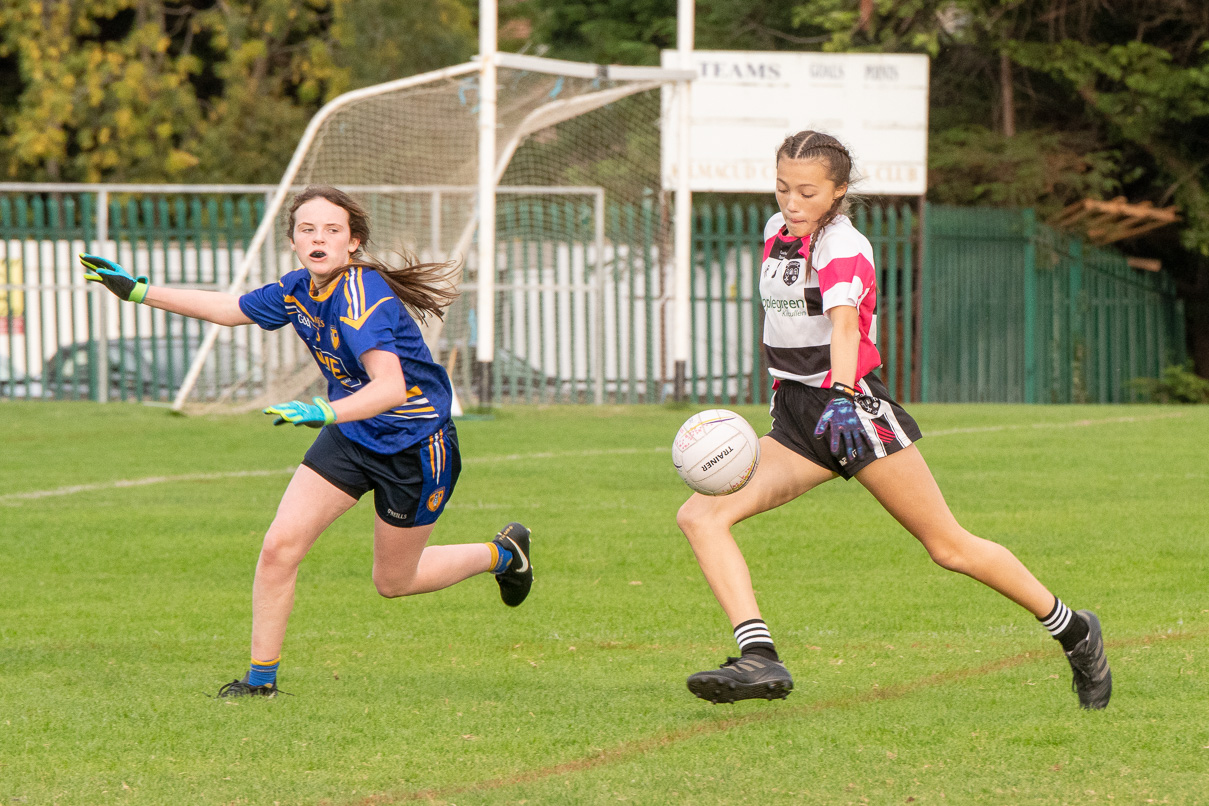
(635, 31)
(172, 91)
(382, 40)
(87, 107)
(1033, 103)
(1115, 100)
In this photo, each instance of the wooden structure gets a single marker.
(1106, 222)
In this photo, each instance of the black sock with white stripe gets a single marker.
(754, 638)
(1064, 625)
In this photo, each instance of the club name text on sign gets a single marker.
(745, 103)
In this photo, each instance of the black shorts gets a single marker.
(410, 488)
(796, 409)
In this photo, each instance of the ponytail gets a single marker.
(423, 288)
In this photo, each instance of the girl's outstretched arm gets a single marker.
(218, 307)
(213, 306)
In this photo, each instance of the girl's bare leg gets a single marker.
(781, 476)
(309, 506)
(904, 485)
(404, 565)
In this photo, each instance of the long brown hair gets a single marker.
(812, 145)
(423, 288)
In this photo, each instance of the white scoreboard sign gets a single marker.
(745, 103)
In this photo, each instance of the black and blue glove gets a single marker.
(115, 278)
(848, 435)
(299, 413)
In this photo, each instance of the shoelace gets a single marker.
(1081, 676)
(1078, 679)
(239, 684)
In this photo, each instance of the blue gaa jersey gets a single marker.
(356, 313)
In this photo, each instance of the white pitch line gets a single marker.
(1075, 424)
(14, 498)
(113, 485)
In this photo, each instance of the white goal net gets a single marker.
(583, 229)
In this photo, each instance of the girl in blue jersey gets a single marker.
(385, 425)
(832, 417)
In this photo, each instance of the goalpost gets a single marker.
(536, 157)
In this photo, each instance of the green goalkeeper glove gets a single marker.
(115, 278)
(300, 413)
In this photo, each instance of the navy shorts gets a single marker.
(410, 487)
(796, 409)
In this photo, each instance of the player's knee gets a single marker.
(947, 557)
(279, 550)
(698, 514)
(952, 553)
(691, 515)
(390, 587)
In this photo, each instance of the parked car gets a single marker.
(139, 369)
(17, 386)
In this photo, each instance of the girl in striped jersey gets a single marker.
(385, 425)
(832, 417)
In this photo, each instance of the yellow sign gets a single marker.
(12, 300)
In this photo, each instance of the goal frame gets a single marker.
(642, 78)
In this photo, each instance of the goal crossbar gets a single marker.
(549, 114)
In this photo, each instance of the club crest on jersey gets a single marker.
(792, 268)
(434, 500)
(335, 338)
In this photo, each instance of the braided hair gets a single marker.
(812, 145)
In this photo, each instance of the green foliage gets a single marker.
(383, 40)
(896, 26)
(123, 606)
(1177, 384)
(88, 108)
(154, 91)
(634, 32)
(972, 165)
(603, 31)
(1157, 106)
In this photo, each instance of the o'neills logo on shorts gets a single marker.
(726, 452)
(434, 500)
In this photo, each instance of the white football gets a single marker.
(716, 452)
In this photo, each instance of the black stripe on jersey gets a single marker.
(803, 361)
(783, 249)
(814, 301)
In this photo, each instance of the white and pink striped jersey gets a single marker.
(797, 329)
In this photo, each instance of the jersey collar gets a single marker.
(326, 292)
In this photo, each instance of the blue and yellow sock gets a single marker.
(500, 557)
(263, 673)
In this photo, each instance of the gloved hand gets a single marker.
(300, 413)
(848, 435)
(115, 278)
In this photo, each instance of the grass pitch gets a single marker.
(128, 540)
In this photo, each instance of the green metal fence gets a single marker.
(59, 338)
(1016, 312)
(1001, 308)
(727, 317)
